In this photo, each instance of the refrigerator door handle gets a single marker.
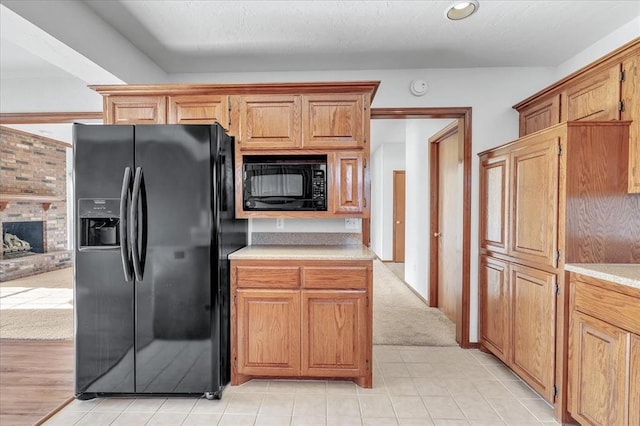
(135, 198)
(124, 246)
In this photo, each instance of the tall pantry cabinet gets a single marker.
(554, 196)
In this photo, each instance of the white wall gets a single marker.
(384, 160)
(622, 35)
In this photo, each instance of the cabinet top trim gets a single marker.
(239, 88)
(618, 55)
(558, 127)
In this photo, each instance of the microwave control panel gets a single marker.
(319, 188)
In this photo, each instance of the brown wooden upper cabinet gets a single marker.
(607, 89)
(348, 193)
(631, 111)
(494, 201)
(135, 109)
(594, 98)
(269, 122)
(540, 115)
(332, 121)
(199, 109)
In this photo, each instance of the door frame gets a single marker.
(395, 174)
(463, 114)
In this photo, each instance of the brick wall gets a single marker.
(32, 164)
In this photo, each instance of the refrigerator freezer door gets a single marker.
(103, 300)
(175, 232)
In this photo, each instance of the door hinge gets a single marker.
(558, 256)
(367, 304)
(235, 362)
(235, 299)
(365, 163)
(623, 75)
(621, 106)
(366, 363)
(560, 149)
(365, 202)
(555, 392)
(556, 289)
(229, 109)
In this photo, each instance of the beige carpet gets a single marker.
(401, 318)
(39, 307)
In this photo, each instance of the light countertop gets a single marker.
(304, 252)
(619, 273)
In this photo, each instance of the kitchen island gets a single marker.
(604, 344)
(302, 311)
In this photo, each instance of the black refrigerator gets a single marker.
(154, 225)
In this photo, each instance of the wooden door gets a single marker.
(494, 202)
(334, 333)
(449, 235)
(594, 98)
(268, 332)
(494, 307)
(534, 198)
(597, 370)
(631, 98)
(634, 380)
(199, 109)
(348, 188)
(269, 121)
(398, 215)
(136, 110)
(332, 121)
(542, 114)
(533, 312)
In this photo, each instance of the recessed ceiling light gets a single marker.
(461, 9)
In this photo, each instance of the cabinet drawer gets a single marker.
(334, 277)
(268, 276)
(610, 306)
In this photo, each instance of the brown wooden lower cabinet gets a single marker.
(533, 321)
(604, 353)
(297, 324)
(518, 320)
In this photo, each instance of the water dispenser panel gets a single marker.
(99, 223)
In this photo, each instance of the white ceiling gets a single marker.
(64, 45)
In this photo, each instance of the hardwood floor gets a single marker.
(36, 376)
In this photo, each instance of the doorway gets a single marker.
(398, 215)
(446, 149)
(463, 116)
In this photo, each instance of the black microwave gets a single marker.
(284, 182)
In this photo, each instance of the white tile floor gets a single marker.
(35, 298)
(412, 386)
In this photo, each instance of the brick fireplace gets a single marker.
(33, 205)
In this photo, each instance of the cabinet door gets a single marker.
(540, 115)
(136, 110)
(534, 198)
(634, 380)
(348, 188)
(631, 98)
(269, 122)
(332, 121)
(199, 109)
(494, 202)
(334, 333)
(595, 98)
(597, 371)
(268, 332)
(494, 307)
(533, 312)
